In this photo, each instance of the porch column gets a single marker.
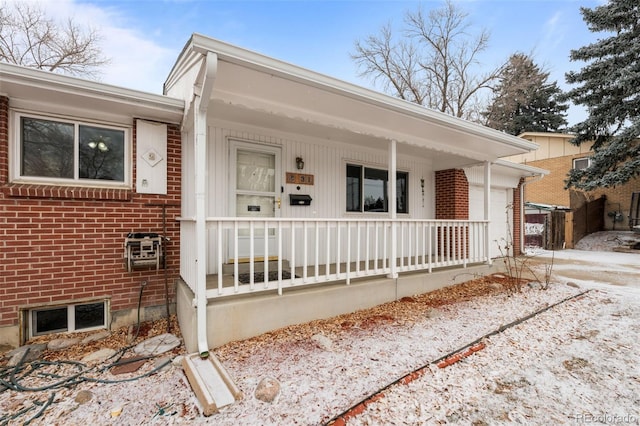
(487, 209)
(393, 211)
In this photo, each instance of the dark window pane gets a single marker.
(101, 153)
(353, 188)
(50, 320)
(89, 315)
(47, 148)
(402, 191)
(375, 190)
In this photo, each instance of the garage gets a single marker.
(504, 177)
(501, 214)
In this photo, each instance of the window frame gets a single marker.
(573, 163)
(16, 146)
(71, 318)
(363, 168)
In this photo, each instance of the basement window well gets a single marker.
(67, 318)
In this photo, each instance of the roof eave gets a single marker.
(201, 45)
(527, 169)
(15, 76)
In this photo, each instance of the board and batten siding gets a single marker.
(325, 160)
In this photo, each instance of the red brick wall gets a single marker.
(452, 202)
(60, 244)
(452, 194)
(517, 219)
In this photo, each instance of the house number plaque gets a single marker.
(299, 178)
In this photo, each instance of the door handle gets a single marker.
(278, 201)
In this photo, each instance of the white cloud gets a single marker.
(554, 31)
(136, 60)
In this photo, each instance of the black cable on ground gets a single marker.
(42, 410)
(478, 340)
(21, 371)
(143, 284)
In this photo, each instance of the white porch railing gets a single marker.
(325, 250)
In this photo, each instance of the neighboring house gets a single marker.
(343, 197)
(558, 155)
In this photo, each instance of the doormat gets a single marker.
(258, 277)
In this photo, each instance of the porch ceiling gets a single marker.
(257, 90)
(284, 103)
(369, 140)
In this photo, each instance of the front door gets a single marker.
(256, 193)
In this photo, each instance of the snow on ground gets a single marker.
(576, 362)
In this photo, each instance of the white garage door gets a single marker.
(501, 216)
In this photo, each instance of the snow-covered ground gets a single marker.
(576, 362)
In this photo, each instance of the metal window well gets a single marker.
(142, 249)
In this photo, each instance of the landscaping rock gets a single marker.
(322, 341)
(177, 361)
(165, 362)
(96, 336)
(35, 351)
(572, 284)
(157, 345)
(267, 390)
(128, 365)
(99, 356)
(60, 344)
(83, 396)
(433, 313)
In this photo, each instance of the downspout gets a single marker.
(202, 96)
(536, 178)
(487, 209)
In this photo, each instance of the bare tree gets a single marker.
(29, 38)
(434, 64)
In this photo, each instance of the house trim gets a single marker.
(21, 84)
(199, 46)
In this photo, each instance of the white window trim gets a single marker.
(370, 166)
(71, 320)
(15, 153)
(573, 162)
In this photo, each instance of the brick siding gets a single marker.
(60, 244)
(550, 190)
(452, 194)
(517, 219)
(452, 200)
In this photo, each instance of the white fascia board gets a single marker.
(13, 77)
(523, 168)
(247, 58)
(546, 134)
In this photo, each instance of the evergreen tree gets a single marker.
(524, 101)
(609, 87)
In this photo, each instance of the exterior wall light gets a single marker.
(299, 163)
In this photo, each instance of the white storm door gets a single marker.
(256, 193)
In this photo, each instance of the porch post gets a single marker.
(393, 211)
(487, 209)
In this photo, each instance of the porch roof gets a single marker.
(254, 89)
(28, 87)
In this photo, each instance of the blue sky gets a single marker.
(143, 38)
